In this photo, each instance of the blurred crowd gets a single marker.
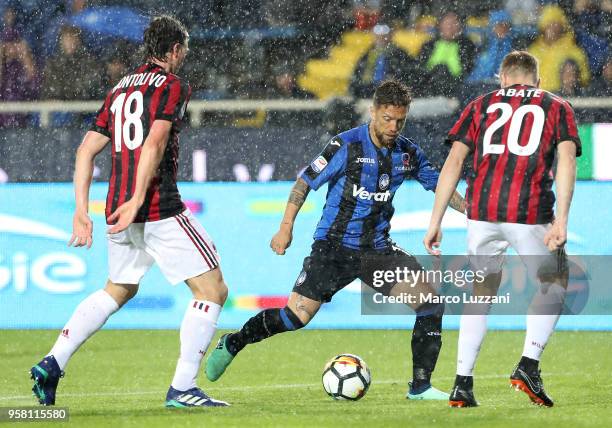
(456, 50)
(51, 49)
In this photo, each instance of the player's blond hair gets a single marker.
(520, 62)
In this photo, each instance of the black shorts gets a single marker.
(331, 267)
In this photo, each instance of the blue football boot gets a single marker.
(193, 397)
(46, 375)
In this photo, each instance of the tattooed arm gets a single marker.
(457, 202)
(297, 197)
(282, 239)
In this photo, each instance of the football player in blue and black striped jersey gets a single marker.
(363, 167)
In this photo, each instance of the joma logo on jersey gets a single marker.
(362, 193)
(365, 160)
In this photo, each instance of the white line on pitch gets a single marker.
(256, 387)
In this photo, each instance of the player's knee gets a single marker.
(434, 310)
(131, 292)
(553, 275)
(291, 320)
(214, 291)
(302, 313)
(222, 291)
(121, 293)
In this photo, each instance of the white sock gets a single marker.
(472, 330)
(543, 315)
(88, 317)
(197, 330)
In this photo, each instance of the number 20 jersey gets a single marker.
(130, 108)
(512, 134)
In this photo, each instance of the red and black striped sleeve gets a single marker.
(464, 128)
(173, 101)
(567, 130)
(101, 121)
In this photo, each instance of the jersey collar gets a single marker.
(520, 84)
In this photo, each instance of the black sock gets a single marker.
(426, 344)
(528, 365)
(265, 324)
(464, 382)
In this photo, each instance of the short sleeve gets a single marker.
(424, 172)
(173, 101)
(330, 162)
(464, 128)
(101, 121)
(567, 130)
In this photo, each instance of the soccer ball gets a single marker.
(346, 377)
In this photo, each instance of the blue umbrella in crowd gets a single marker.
(121, 22)
(99, 25)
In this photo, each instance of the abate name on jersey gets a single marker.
(512, 92)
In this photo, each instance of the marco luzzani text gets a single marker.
(460, 278)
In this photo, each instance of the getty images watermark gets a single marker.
(499, 285)
(413, 278)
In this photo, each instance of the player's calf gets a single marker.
(426, 344)
(265, 324)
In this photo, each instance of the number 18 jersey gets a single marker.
(512, 134)
(130, 108)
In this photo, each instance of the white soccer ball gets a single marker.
(346, 377)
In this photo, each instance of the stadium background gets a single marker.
(250, 134)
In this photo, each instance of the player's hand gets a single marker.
(432, 240)
(281, 240)
(556, 237)
(123, 216)
(82, 229)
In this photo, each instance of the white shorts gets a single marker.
(491, 240)
(179, 245)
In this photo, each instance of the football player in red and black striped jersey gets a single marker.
(148, 223)
(511, 137)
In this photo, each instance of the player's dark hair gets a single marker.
(162, 34)
(520, 61)
(392, 92)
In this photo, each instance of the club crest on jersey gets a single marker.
(405, 166)
(319, 164)
(383, 182)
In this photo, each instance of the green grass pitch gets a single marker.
(119, 378)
